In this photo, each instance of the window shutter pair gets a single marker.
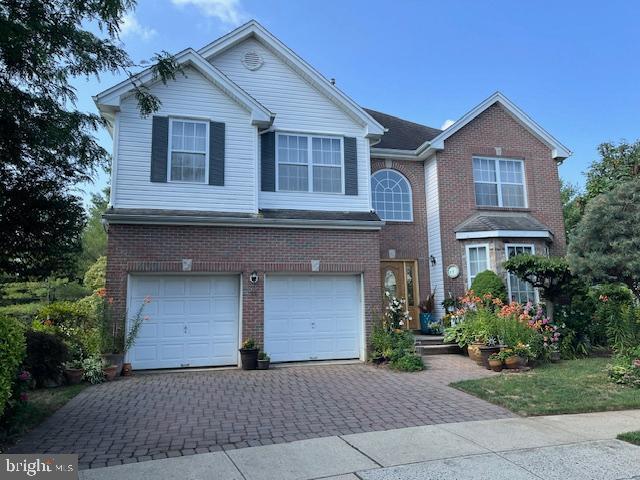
(160, 150)
(268, 163)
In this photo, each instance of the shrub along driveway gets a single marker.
(164, 415)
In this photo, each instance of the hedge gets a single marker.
(12, 352)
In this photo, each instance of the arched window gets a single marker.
(391, 196)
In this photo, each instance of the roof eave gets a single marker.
(504, 234)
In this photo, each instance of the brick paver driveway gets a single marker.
(163, 415)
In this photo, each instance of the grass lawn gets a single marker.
(571, 386)
(42, 403)
(631, 437)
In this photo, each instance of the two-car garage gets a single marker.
(195, 320)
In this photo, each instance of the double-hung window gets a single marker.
(519, 290)
(188, 150)
(477, 261)
(309, 164)
(499, 182)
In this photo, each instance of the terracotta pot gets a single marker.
(496, 365)
(249, 357)
(474, 352)
(110, 372)
(263, 364)
(485, 352)
(127, 371)
(114, 359)
(554, 356)
(512, 362)
(73, 375)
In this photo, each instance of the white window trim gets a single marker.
(410, 193)
(536, 293)
(467, 248)
(309, 163)
(207, 141)
(499, 181)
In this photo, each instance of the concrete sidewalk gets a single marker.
(554, 447)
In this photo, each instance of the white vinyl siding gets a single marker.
(519, 290)
(391, 196)
(499, 182)
(300, 110)
(436, 272)
(204, 102)
(477, 261)
(188, 151)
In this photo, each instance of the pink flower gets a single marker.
(146, 317)
(147, 299)
(24, 397)
(24, 376)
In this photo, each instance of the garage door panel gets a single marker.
(193, 321)
(304, 315)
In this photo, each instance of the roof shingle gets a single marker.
(402, 134)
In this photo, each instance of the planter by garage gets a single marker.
(263, 364)
(110, 372)
(73, 375)
(485, 351)
(116, 359)
(249, 358)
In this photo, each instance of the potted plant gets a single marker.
(263, 361)
(426, 314)
(73, 371)
(554, 354)
(523, 354)
(490, 347)
(495, 362)
(474, 350)
(110, 371)
(132, 335)
(249, 354)
(510, 358)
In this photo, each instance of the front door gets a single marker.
(399, 278)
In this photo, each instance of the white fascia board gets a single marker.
(394, 154)
(558, 150)
(504, 233)
(110, 99)
(253, 28)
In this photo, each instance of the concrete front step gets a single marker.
(424, 350)
(429, 339)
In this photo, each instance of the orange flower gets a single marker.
(110, 300)
(101, 292)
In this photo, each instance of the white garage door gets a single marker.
(310, 317)
(193, 321)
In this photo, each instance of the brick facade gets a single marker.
(242, 250)
(408, 239)
(495, 129)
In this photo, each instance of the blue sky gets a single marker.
(572, 65)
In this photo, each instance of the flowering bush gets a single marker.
(489, 320)
(136, 323)
(396, 314)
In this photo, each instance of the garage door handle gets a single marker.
(185, 329)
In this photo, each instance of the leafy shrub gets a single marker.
(95, 277)
(409, 362)
(46, 355)
(625, 371)
(12, 351)
(93, 372)
(389, 345)
(489, 282)
(22, 312)
(71, 314)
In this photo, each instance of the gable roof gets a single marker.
(109, 100)
(402, 134)
(408, 131)
(253, 29)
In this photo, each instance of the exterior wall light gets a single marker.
(253, 277)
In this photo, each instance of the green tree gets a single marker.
(619, 163)
(607, 239)
(47, 146)
(573, 204)
(489, 282)
(94, 237)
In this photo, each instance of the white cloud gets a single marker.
(132, 28)
(447, 123)
(227, 11)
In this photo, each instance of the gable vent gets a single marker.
(252, 60)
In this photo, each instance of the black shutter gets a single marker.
(350, 166)
(268, 161)
(216, 153)
(159, 148)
